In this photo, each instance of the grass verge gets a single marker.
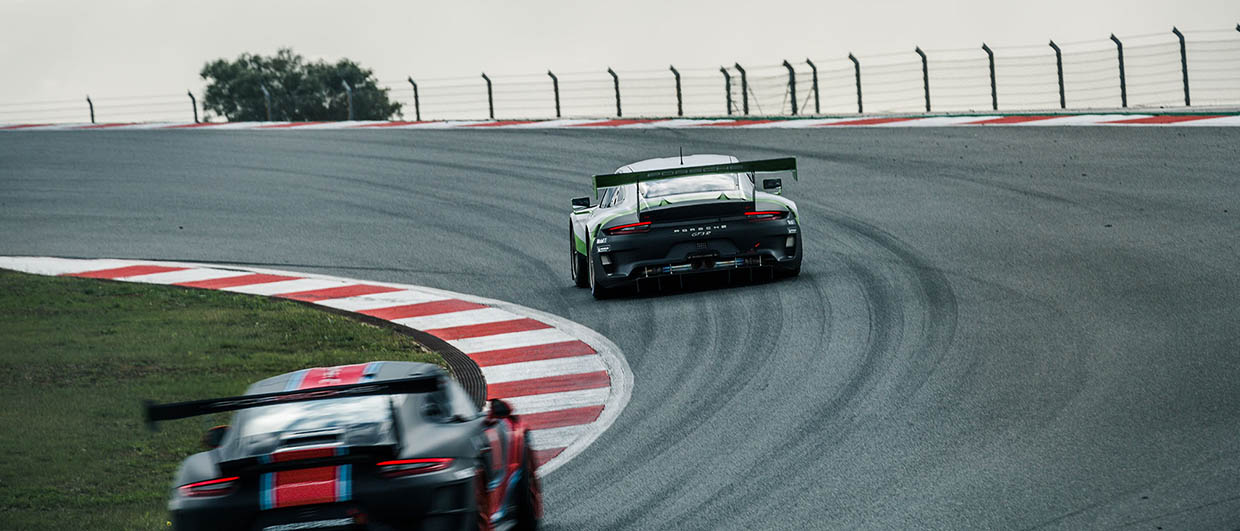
(77, 356)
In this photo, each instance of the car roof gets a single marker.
(672, 162)
(372, 371)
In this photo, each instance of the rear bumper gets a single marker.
(701, 247)
(440, 500)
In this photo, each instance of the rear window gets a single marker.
(315, 415)
(685, 185)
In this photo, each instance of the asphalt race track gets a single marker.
(994, 328)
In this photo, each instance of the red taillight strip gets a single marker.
(210, 482)
(630, 226)
(189, 490)
(425, 460)
(766, 215)
(430, 464)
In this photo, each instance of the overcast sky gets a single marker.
(64, 49)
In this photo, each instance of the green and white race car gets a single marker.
(663, 218)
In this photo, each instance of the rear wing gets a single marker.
(760, 166)
(179, 410)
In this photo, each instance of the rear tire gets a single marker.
(599, 292)
(529, 505)
(792, 271)
(577, 261)
(482, 498)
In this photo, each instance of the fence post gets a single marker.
(348, 91)
(266, 100)
(744, 89)
(792, 85)
(490, 99)
(925, 75)
(417, 109)
(817, 109)
(680, 107)
(615, 81)
(1183, 64)
(1123, 84)
(555, 87)
(994, 94)
(1063, 103)
(91, 104)
(857, 66)
(193, 103)
(727, 89)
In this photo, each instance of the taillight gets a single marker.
(210, 487)
(631, 228)
(766, 215)
(409, 467)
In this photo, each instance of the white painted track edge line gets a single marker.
(617, 368)
(522, 338)
(457, 318)
(280, 287)
(56, 266)
(185, 275)
(379, 301)
(548, 402)
(529, 370)
(563, 436)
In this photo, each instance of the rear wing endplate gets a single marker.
(761, 166)
(179, 410)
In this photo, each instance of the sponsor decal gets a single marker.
(792, 230)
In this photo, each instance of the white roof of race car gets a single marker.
(672, 162)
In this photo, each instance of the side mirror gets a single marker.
(774, 186)
(214, 437)
(581, 202)
(499, 409)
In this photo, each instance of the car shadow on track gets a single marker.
(697, 283)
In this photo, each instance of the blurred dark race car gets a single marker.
(380, 445)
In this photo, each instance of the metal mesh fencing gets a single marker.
(1157, 72)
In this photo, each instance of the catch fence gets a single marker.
(1165, 70)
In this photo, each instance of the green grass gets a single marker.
(77, 357)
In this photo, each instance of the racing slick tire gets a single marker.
(597, 290)
(578, 261)
(482, 499)
(530, 501)
(790, 271)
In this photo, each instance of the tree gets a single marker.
(300, 90)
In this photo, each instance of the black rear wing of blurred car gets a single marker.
(179, 410)
(756, 166)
